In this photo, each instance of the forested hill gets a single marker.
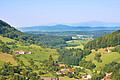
(108, 40)
(8, 31)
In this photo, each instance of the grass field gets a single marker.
(38, 53)
(79, 43)
(5, 39)
(67, 78)
(1, 63)
(7, 58)
(106, 59)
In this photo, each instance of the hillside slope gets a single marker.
(105, 57)
(7, 58)
(10, 32)
(108, 40)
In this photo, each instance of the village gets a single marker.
(83, 37)
(21, 52)
(65, 71)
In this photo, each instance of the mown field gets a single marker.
(79, 43)
(6, 58)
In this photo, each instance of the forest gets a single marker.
(51, 40)
(109, 40)
(96, 33)
(10, 32)
(72, 56)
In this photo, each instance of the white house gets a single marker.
(109, 50)
(21, 52)
(89, 76)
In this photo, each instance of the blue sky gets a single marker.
(23, 13)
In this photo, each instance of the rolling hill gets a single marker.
(109, 40)
(61, 27)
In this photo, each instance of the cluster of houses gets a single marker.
(87, 76)
(49, 78)
(83, 37)
(21, 52)
(64, 71)
(107, 77)
(72, 71)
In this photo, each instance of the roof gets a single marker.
(71, 70)
(62, 65)
(49, 78)
(21, 51)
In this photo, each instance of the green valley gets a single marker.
(28, 56)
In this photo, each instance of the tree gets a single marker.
(50, 58)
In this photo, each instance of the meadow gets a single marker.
(106, 58)
(38, 53)
(79, 43)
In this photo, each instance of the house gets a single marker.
(107, 77)
(74, 37)
(29, 53)
(89, 76)
(84, 76)
(49, 78)
(109, 50)
(19, 52)
(60, 65)
(108, 74)
(72, 71)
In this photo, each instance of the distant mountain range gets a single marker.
(92, 25)
(97, 24)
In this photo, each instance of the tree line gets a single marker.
(109, 40)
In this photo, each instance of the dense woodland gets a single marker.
(116, 49)
(97, 33)
(51, 40)
(10, 32)
(3, 47)
(72, 56)
(113, 67)
(108, 40)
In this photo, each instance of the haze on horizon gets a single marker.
(23, 13)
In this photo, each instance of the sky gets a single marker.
(24, 13)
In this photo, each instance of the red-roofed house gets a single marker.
(72, 71)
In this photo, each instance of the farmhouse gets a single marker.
(72, 71)
(19, 52)
(60, 65)
(109, 50)
(49, 78)
(87, 76)
(107, 77)
(29, 53)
